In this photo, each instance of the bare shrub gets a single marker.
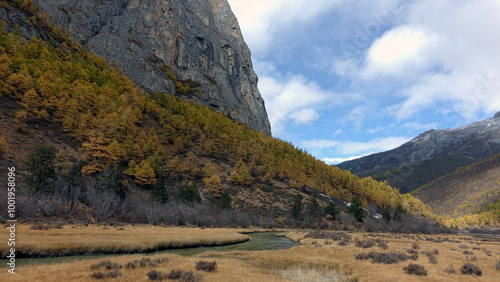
(412, 251)
(97, 275)
(106, 264)
(415, 246)
(385, 258)
(174, 274)
(343, 243)
(154, 275)
(383, 245)
(368, 243)
(104, 204)
(497, 265)
(471, 269)
(467, 253)
(114, 273)
(413, 257)
(189, 276)
(130, 265)
(487, 252)
(415, 269)
(337, 236)
(463, 247)
(206, 266)
(450, 269)
(433, 260)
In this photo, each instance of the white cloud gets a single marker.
(292, 99)
(304, 116)
(356, 148)
(400, 49)
(260, 20)
(334, 161)
(440, 52)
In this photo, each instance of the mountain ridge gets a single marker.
(431, 155)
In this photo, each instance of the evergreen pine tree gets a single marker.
(332, 209)
(356, 209)
(386, 214)
(297, 206)
(225, 200)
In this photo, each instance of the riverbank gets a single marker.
(93, 239)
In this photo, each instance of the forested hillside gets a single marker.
(469, 197)
(127, 147)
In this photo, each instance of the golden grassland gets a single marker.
(80, 239)
(313, 260)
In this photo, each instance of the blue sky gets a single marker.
(347, 78)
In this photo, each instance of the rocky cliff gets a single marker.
(431, 155)
(197, 41)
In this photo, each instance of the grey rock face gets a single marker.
(431, 155)
(200, 40)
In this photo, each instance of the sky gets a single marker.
(343, 79)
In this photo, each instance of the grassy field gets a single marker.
(320, 258)
(73, 239)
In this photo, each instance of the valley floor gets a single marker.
(333, 258)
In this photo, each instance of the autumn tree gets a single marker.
(214, 184)
(240, 174)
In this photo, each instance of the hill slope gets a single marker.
(431, 155)
(468, 197)
(198, 40)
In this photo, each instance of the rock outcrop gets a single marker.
(431, 155)
(199, 41)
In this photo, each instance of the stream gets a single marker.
(258, 241)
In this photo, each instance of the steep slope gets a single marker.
(469, 196)
(431, 155)
(198, 40)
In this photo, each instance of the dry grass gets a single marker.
(73, 239)
(308, 262)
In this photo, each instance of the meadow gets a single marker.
(322, 256)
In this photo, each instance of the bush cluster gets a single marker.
(385, 258)
(143, 262)
(471, 269)
(206, 266)
(176, 274)
(415, 269)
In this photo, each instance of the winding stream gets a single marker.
(258, 241)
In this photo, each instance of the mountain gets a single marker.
(191, 48)
(469, 197)
(88, 145)
(431, 155)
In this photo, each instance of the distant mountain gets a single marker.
(431, 155)
(469, 196)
